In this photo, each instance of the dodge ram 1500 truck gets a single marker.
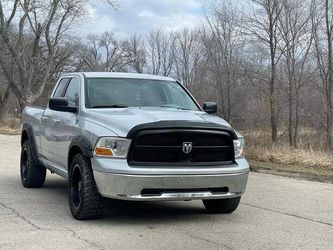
(132, 137)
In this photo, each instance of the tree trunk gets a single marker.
(221, 91)
(290, 118)
(228, 114)
(3, 103)
(329, 122)
(2, 111)
(329, 127)
(272, 105)
(329, 98)
(295, 137)
(272, 102)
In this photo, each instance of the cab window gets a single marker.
(61, 87)
(72, 93)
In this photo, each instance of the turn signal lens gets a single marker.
(103, 152)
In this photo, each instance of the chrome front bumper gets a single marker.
(130, 187)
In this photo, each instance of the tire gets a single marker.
(85, 202)
(223, 206)
(32, 172)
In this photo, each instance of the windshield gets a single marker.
(121, 93)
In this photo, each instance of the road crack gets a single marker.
(91, 243)
(20, 216)
(289, 214)
(209, 241)
(38, 228)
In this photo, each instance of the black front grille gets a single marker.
(170, 139)
(165, 147)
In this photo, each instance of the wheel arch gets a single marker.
(28, 134)
(24, 136)
(79, 144)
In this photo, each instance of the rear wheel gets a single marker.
(224, 206)
(85, 202)
(32, 172)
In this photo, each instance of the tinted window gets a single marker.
(72, 92)
(105, 92)
(61, 88)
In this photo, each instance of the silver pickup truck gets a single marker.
(132, 137)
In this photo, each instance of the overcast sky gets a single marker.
(140, 16)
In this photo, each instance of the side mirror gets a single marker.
(210, 107)
(61, 104)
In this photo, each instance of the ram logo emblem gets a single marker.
(187, 147)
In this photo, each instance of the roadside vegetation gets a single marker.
(10, 126)
(309, 160)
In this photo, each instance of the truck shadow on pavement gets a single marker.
(135, 212)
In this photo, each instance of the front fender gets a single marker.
(82, 143)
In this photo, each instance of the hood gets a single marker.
(121, 121)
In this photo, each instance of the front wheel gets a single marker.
(85, 202)
(224, 206)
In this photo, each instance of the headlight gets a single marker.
(239, 145)
(112, 147)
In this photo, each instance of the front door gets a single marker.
(61, 127)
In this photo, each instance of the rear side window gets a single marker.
(61, 88)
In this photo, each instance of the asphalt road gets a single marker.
(275, 213)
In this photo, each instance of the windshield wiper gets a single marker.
(174, 107)
(110, 106)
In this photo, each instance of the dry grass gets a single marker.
(309, 161)
(310, 153)
(10, 126)
(316, 173)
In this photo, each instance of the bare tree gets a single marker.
(323, 27)
(224, 47)
(161, 52)
(264, 26)
(31, 33)
(90, 54)
(187, 57)
(4, 95)
(65, 59)
(5, 90)
(103, 52)
(114, 53)
(135, 51)
(297, 38)
(45, 22)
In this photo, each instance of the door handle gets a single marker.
(44, 118)
(55, 121)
